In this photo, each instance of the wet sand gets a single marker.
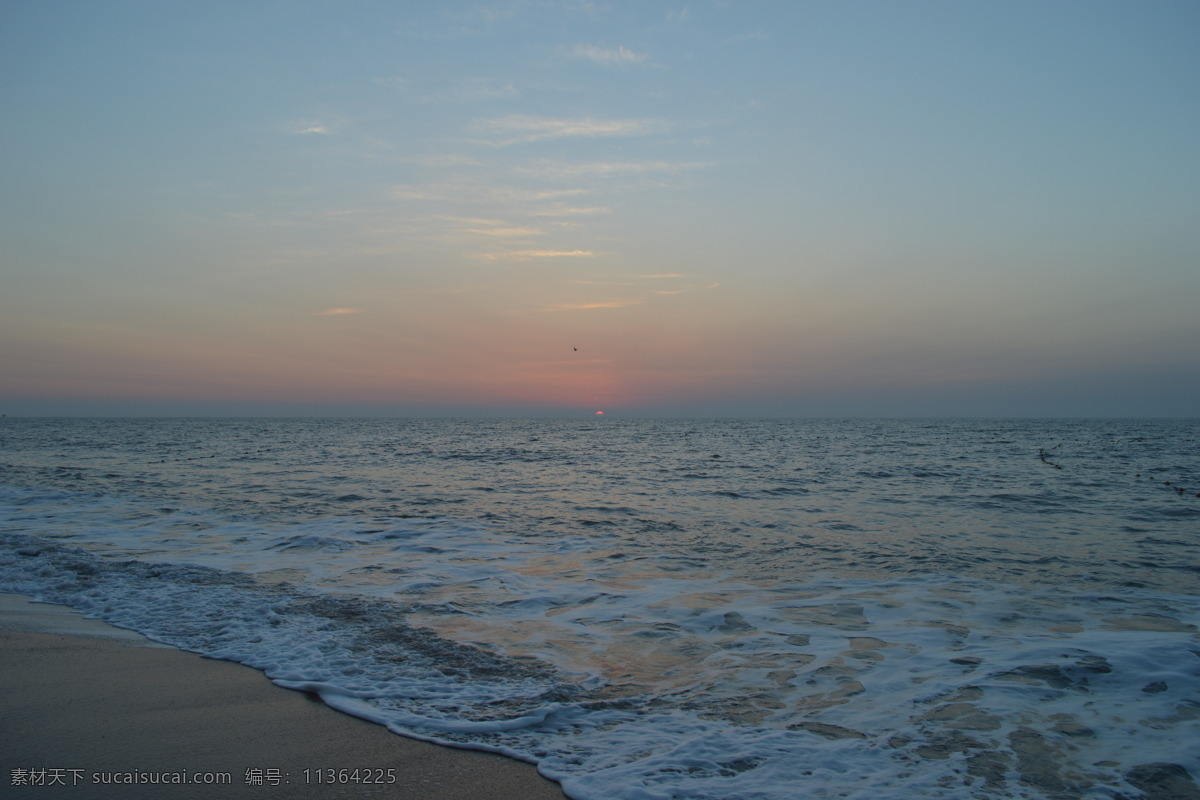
(81, 701)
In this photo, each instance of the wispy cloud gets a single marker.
(518, 128)
(570, 212)
(476, 221)
(310, 127)
(676, 276)
(401, 191)
(472, 192)
(521, 255)
(598, 304)
(604, 283)
(608, 56)
(337, 312)
(508, 233)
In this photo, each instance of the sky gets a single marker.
(694, 208)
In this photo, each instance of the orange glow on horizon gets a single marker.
(600, 413)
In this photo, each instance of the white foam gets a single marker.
(665, 682)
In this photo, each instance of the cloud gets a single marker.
(599, 304)
(508, 233)
(477, 221)
(337, 312)
(520, 255)
(527, 128)
(667, 276)
(473, 192)
(675, 276)
(607, 56)
(307, 127)
(570, 212)
(402, 191)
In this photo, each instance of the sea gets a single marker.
(711, 609)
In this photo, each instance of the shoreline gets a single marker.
(101, 712)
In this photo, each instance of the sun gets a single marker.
(600, 413)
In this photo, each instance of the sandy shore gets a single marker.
(80, 700)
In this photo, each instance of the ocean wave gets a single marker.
(874, 687)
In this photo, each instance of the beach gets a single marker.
(85, 703)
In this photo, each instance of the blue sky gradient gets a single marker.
(717, 208)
